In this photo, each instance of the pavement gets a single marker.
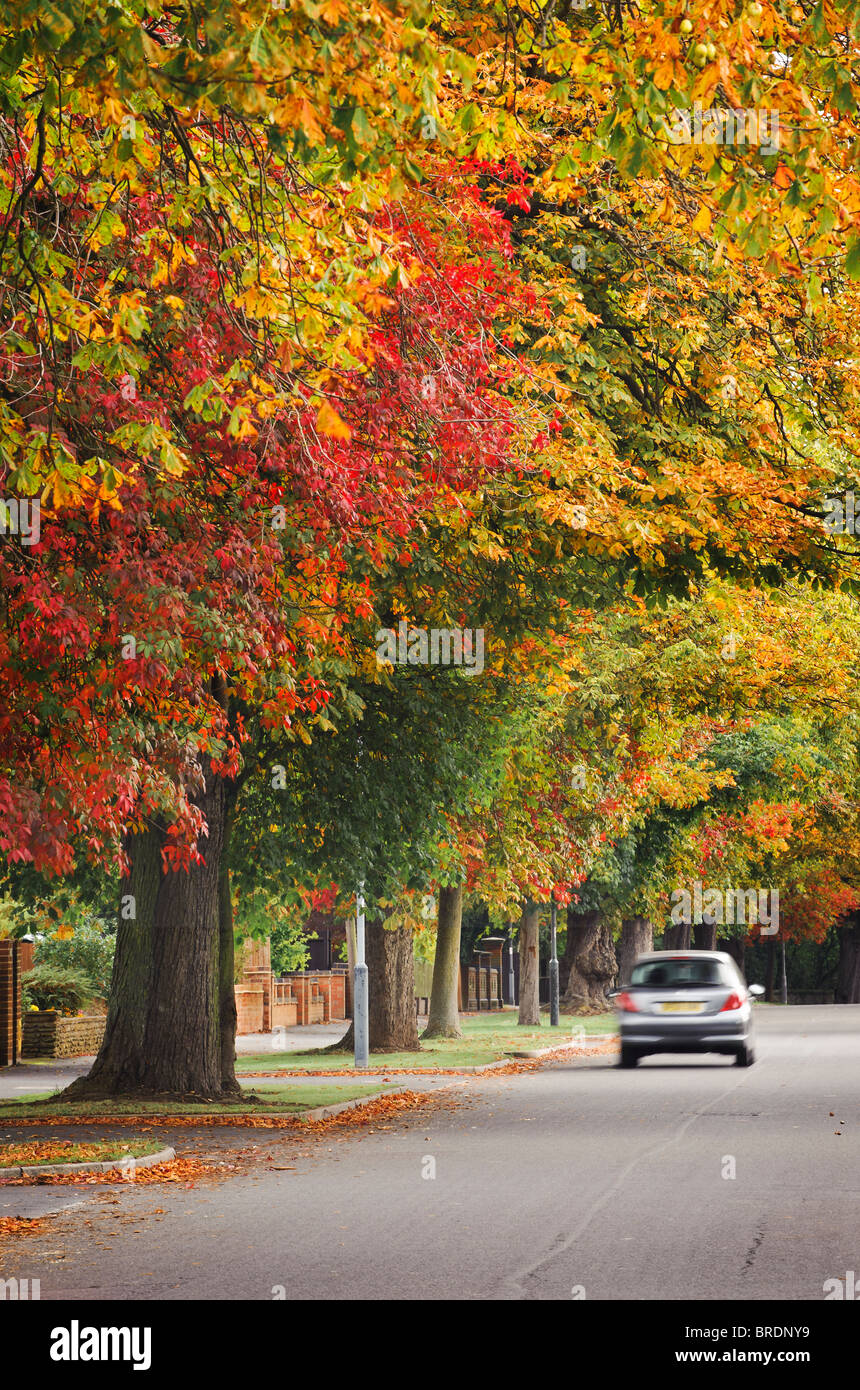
(44, 1201)
(53, 1074)
(574, 1178)
(301, 1038)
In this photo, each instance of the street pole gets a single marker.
(553, 969)
(512, 984)
(784, 989)
(359, 989)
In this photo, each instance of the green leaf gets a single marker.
(852, 260)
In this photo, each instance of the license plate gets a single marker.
(682, 1007)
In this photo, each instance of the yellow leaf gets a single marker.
(702, 220)
(329, 422)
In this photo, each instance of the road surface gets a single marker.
(576, 1180)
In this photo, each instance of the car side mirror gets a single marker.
(756, 991)
(612, 993)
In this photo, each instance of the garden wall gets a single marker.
(49, 1034)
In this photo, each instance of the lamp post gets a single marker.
(359, 988)
(512, 984)
(553, 968)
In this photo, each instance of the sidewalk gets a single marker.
(51, 1075)
(302, 1038)
(55, 1073)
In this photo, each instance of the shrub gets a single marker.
(90, 950)
(57, 987)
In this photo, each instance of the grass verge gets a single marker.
(65, 1151)
(271, 1099)
(486, 1038)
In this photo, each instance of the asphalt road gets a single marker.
(577, 1177)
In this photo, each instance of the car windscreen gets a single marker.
(676, 973)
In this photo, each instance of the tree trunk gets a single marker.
(592, 964)
(163, 1034)
(572, 943)
(848, 972)
(118, 1066)
(637, 936)
(392, 1023)
(769, 971)
(444, 1020)
(529, 948)
(736, 946)
(677, 937)
(705, 936)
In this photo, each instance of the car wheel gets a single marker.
(745, 1057)
(628, 1057)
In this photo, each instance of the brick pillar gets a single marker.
(336, 996)
(10, 1002)
(257, 973)
(300, 993)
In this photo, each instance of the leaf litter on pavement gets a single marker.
(189, 1169)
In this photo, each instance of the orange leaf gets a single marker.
(329, 422)
(783, 176)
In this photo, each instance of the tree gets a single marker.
(529, 951)
(444, 1018)
(233, 295)
(204, 605)
(590, 963)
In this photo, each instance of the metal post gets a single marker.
(784, 990)
(512, 984)
(359, 990)
(553, 969)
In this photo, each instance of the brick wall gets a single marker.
(263, 1003)
(333, 990)
(49, 1034)
(319, 996)
(285, 1014)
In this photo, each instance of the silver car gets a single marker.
(685, 1001)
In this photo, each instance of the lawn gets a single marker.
(65, 1151)
(272, 1099)
(487, 1038)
